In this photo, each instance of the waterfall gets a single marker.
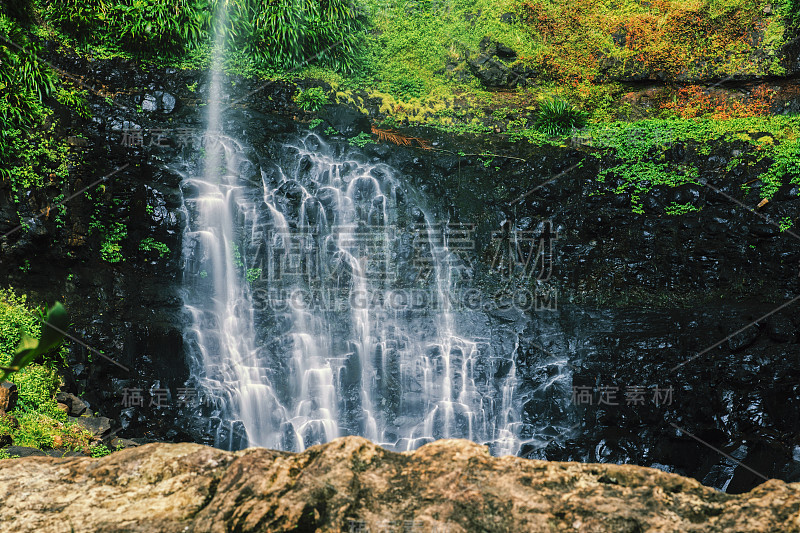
(321, 305)
(321, 295)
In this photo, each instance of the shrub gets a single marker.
(99, 450)
(36, 383)
(41, 423)
(311, 99)
(19, 10)
(16, 318)
(557, 117)
(37, 386)
(38, 430)
(30, 152)
(24, 81)
(361, 140)
(253, 274)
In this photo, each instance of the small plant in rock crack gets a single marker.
(361, 140)
(558, 117)
(99, 450)
(311, 99)
(253, 274)
(149, 244)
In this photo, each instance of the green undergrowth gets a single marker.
(637, 156)
(32, 155)
(640, 152)
(39, 421)
(412, 55)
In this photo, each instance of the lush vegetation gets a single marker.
(135, 26)
(260, 33)
(641, 151)
(311, 99)
(412, 57)
(149, 244)
(30, 154)
(36, 421)
(557, 117)
(292, 33)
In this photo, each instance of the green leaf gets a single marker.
(56, 325)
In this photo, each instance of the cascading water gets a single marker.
(322, 306)
(320, 302)
(222, 335)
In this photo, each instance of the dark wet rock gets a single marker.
(149, 103)
(491, 66)
(764, 230)
(346, 120)
(743, 339)
(98, 426)
(24, 451)
(504, 52)
(168, 102)
(76, 406)
(490, 72)
(780, 328)
(508, 18)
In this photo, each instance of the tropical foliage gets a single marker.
(285, 33)
(292, 33)
(557, 117)
(140, 26)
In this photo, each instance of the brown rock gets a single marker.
(8, 396)
(351, 484)
(63, 407)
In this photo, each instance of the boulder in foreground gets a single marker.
(350, 484)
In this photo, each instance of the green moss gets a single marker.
(36, 383)
(39, 430)
(253, 274)
(111, 246)
(640, 146)
(17, 316)
(99, 450)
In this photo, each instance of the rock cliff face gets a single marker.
(351, 484)
(636, 292)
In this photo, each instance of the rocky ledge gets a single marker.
(351, 484)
